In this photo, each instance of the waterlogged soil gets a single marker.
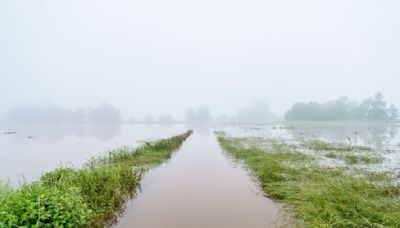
(200, 187)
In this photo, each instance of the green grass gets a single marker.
(362, 159)
(325, 146)
(352, 159)
(87, 197)
(316, 196)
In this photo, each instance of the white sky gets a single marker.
(158, 56)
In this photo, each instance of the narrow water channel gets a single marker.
(199, 187)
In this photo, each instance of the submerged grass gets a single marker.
(352, 159)
(325, 146)
(362, 159)
(318, 196)
(87, 197)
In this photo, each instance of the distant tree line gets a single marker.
(257, 112)
(200, 115)
(53, 113)
(373, 108)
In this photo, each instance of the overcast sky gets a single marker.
(157, 56)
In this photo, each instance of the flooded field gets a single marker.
(377, 135)
(328, 174)
(200, 187)
(199, 114)
(381, 139)
(29, 150)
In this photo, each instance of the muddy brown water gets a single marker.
(200, 186)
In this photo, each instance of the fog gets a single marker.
(157, 59)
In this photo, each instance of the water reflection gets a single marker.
(371, 134)
(53, 133)
(104, 132)
(202, 129)
(378, 135)
(35, 148)
(200, 187)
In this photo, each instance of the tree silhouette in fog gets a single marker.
(200, 115)
(104, 113)
(49, 113)
(370, 109)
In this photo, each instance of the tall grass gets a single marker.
(87, 197)
(317, 196)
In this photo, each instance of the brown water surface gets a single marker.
(200, 187)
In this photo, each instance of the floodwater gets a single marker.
(378, 135)
(383, 138)
(31, 149)
(200, 186)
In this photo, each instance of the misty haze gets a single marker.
(211, 114)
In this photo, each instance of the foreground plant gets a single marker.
(317, 196)
(87, 197)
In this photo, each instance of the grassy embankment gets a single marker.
(317, 196)
(87, 197)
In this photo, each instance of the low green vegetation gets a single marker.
(317, 196)
(363, 159)
(349, 154)
(325, 146)
(352, 159)
(87, 197)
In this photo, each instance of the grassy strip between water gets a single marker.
(88, 197)
(317, 196)
(321, 145)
